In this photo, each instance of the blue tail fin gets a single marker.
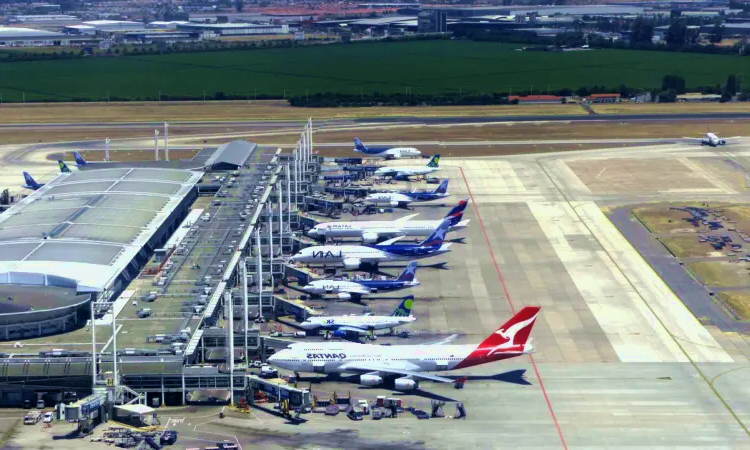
(359, 145)
(30, 181)
(457, 213)
(404, 308)
(436, 238)
(79, 159)
(443, 188)
(409, 273)
(63, 167)
(434, 161)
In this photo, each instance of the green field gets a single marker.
(424, 66)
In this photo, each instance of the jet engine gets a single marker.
(370, 380)
(351, 263)
(404, 384)
(339, 334)
(369, 238)
(345, 296)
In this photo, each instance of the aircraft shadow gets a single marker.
(513, 377)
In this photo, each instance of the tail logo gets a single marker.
(404, 309)
(510, 334)
(438, 236)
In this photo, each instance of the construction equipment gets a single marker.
(437, 408)
(460, 411)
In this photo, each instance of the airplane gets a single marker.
(355, 256)
(712, 140)
(403, 198)
(356, 288)
(371, 231)
(342, 325)
(30, 182)
(80, 161)
(63, 167)
(386, 152)
(408, 363)
(404, 172)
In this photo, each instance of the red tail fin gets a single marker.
(515, 331)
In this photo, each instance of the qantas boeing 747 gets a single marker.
(408, 364)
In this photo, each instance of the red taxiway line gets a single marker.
(513, 309)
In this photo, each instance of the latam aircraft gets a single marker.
(30, 183)
(341, 325)
(371, 231)
(354, 256)
(356, 288)
(404, 172)
(408, 364)
(386, 152)
(712, 140)
(403, 198)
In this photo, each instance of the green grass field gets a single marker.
(423, 66)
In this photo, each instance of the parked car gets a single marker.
(47, 417)
(421, 414)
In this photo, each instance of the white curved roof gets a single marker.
(87, 226)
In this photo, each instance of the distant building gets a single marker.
(432, 21)
(95, 26)
(604, 98)
(235, 29)
(698, 97)
(29, 37)
(536, 98)
(44, 20)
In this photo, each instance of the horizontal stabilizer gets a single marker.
(405, 218)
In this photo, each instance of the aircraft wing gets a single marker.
(391, 241)
(357, 290)
(447, 340)
(405, 218)
(364, 368)
(352, 329)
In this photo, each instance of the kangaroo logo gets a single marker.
(510, 334)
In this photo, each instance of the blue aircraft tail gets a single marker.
(30, 182)
(79, 159)
(409, 273)
(457, 213)
(443, 188)
(436, 238)
(404, 308)
(434, 161)
(359, 145)
(63, 167)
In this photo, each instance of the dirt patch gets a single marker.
(671, 108)
(738, 302)
(687, 246)
(246, 110)
(664, 220)
(720, 273)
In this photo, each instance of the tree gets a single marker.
(717, 33)
(677, 34)
(732, 86)
(642, 31)
(673, 83)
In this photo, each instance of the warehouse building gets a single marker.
(235, 29)
(29, 37)
(94, 26)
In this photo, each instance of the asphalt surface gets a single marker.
(692, 293)
(558, 118)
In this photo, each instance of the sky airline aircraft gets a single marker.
(341, 325)
(404, 172)
(409, 364)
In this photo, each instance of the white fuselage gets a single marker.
(394, 153)
(388, 198)
(712, 140)
(406, 171)
(352, 255)
(333, 287)
(379, 228)
(364, 323)
(328, 357)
